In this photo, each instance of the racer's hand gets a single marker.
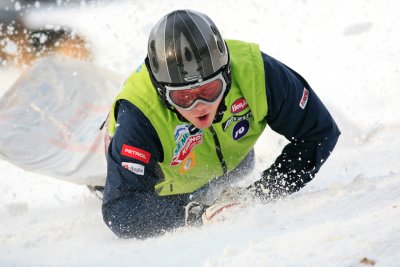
(193, 213)
(220, 212)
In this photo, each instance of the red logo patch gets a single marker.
(191, 142)
(135, 153)
(304, 99)
(239, 105)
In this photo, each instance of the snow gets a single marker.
(348, 51)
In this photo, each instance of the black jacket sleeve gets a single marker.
(131, 209)
(295, 111)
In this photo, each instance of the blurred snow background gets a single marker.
(347, 50)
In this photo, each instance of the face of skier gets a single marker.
(198, 103)
(202, 114)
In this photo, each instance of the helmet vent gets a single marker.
(220, 46)
(188, 55)
(153, 46)
(155, 64)
(214, 30)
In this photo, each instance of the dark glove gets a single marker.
(274, 185)
(193, 213)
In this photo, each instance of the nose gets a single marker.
(201, 107)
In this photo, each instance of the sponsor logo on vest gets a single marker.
(239, 105)
(135, 153)
(188, 164)
(228, 123)
(180, 130)
(240, 129)
(304, 98)
(133, 167)
(185, 143)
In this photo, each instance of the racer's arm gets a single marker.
(130, 206)
(311, 130)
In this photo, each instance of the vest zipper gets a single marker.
(218, 150)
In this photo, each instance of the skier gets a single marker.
(186, 121)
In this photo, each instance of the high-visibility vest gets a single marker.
(191, 159)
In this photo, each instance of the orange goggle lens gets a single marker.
(208, 92)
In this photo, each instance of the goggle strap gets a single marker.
(158, 87)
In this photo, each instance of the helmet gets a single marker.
(185, 46)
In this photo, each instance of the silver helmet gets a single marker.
(185, 46)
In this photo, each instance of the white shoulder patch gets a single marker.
(133, 167)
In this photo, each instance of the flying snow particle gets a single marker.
(43, 38)
(10, 47)
(357, 28)
(17, 6)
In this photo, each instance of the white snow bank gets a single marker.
(349, 53)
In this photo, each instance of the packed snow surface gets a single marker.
(349, 215)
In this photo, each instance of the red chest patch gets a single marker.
(135, 153)
(239, 105)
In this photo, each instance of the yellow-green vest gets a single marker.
(190, 161)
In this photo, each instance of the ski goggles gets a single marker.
(188, 96)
